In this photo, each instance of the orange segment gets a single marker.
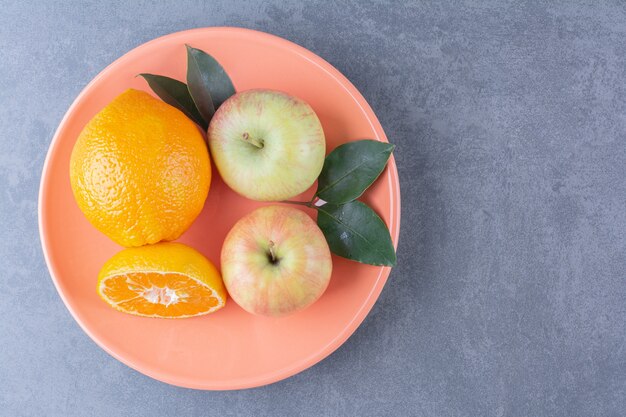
(167, 280)
(159, 295)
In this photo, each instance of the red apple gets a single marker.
(275, 261)
(267, 145)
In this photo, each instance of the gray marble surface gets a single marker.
(509, 298)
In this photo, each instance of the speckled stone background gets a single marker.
(509, 298)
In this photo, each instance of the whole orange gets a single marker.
(140, 170)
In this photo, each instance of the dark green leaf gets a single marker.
(175, 93)
(198, 84)
(351, 168)
(208, 75)
(355, 231)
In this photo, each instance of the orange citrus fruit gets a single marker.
(140, 170)
(168, 280)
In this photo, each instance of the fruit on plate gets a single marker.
(267, 145)
(168, 280)
(275, 261)
(140, 170)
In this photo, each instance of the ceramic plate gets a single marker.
(230, 349)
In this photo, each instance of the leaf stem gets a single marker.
(300, 203)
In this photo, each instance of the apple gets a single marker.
(266, 144)
(275, 261)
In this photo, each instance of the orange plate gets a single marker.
(230, 349)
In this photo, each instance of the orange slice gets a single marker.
(168, 280)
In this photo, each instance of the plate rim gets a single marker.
(302, 364)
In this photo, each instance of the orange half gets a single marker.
(168, 280)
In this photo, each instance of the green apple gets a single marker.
(266, 144)
(275, 261)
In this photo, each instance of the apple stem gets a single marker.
(253, 141)
(272, 254)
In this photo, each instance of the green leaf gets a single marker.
(175, 93)
(351, 168)
(198, 84)
(207, 78)
(355, 231)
